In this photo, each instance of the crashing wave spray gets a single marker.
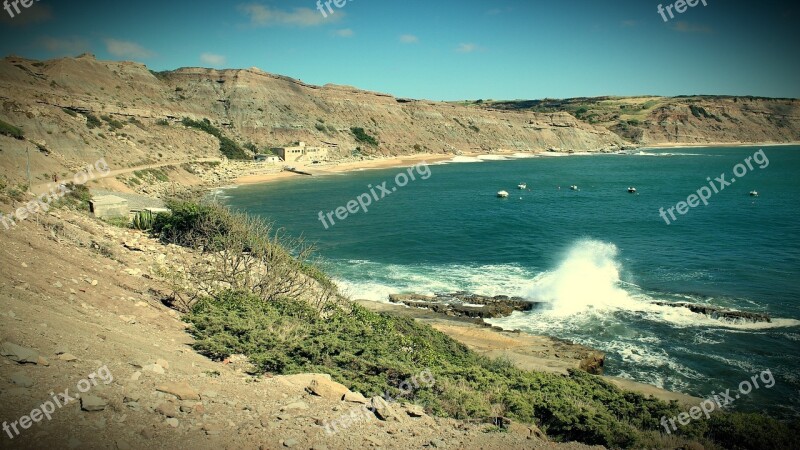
(588, 278)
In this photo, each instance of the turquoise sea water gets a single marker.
(598, 256)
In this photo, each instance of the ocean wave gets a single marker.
(465, 159)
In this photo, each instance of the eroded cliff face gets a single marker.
(726, 119)
(51, 101)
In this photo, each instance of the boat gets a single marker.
(631, 190)
(574, 187)
(753, 193)
(502, 194)
(522, 186)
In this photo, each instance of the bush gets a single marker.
(70, 112)
(113, 123)
(10, 130)
(162, 122)
(242, 253)
(227, 146)
(363, 137)
(92, 121)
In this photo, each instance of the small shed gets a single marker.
(106, 206)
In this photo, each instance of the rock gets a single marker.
(383, 409)
(93, 283)
(182, 390)
(155, 368)
(414, 410)
(326, 388)
(295, 406)
(210, 394)
(289, 443)
(19, 354)
(355, 397)
(436, 443)
(167, 409)
(163, 363)
(68, 357)
(128, 319)
(135, 376)
(92, 403)
(173, 422)
(21, 379)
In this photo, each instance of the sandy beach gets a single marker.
(323, 169)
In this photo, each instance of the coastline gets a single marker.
(277, 174)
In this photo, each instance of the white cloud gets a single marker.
(213, 60)
(345, 33)
(64, 46)
(467, 48)
(127, 49)
(264, 16)
(409, 39)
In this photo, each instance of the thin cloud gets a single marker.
(35, 14)
(63, 46)
(264, 16)
(467, 48)
(409, 39)
(127, 49)
(686, 27)
(213, 60)
(344, 33)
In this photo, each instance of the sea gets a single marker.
(594, 254)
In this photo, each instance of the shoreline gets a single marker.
(432, 158)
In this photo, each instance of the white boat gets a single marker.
(574, 187)
(502, 194)
(631, 189)
(753, 193)
(522, 186)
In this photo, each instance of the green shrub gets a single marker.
(70, 112)
(162, 122)
(227, 146)
(113, 124)
(92, 121)
(363, 137)
(10, 130)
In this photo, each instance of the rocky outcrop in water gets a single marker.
(462, 304)
(715, 312)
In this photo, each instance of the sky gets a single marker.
(440, 49)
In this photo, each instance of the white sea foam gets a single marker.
(465, 159)
(492, 158)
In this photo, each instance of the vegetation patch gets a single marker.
(7, 129)
(363, 137)
(227, 146)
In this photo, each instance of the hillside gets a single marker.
(676, 120)
(73, 110)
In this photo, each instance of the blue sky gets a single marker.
(442, 50)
